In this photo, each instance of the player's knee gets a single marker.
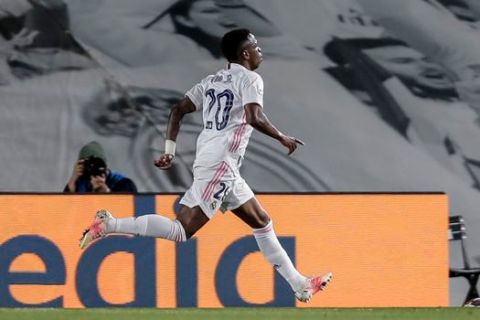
(178, 232)
(189, 229)
(263, 219)
(191, 221)
(189, 234)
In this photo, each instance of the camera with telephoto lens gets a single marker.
(94, 166)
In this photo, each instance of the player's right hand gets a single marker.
(164, 162)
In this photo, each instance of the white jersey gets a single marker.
(225, 133)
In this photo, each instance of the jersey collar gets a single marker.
(234, 65)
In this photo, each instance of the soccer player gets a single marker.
(232, 104)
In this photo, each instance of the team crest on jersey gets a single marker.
(213, 205)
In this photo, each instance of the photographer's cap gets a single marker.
(92, 149)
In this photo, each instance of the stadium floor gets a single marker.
(242, 313)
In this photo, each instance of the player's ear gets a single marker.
(245, 54)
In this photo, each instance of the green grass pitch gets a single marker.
(242, 313)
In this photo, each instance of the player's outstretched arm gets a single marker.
(257, 119)
(177, 113)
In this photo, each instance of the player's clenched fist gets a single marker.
(164, 162)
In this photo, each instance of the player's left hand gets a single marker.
(291, 143)
(164, 162)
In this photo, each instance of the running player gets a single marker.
(232, 104)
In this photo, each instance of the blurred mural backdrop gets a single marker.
(385, 93)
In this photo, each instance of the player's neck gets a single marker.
(244, 63)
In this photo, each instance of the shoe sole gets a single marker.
(85, 240)
(100, 214)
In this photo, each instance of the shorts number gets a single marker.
(223, 189)
(224, 98)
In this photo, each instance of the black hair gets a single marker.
(232, 41)
(332, 48)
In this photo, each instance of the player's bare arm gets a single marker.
(177, 113)
(257, 119)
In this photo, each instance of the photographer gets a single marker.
(91, 174)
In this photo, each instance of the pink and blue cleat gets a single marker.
(96, 229)
(312, 286)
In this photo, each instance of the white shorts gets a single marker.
(217, 194)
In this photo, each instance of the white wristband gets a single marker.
(170, 146)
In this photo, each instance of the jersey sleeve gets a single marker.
(196, 95)
(252, 92)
